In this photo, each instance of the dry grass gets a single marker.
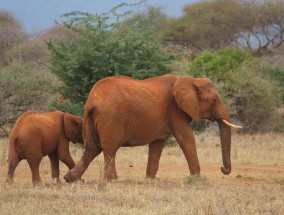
(255, 186)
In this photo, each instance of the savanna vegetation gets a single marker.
(237, 44)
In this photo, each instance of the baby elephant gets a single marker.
(36, 135)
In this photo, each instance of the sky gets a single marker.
(37, 15)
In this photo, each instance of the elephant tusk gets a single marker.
(231, 125)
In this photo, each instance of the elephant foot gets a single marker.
(9, 181)
(111, 178)
(37, 183)
(150, 177)
(195, 174)
(55, 179)
(69, 178)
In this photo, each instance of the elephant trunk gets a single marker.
(225, 136)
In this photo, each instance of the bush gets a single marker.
(251, 98)
(199, 126)
(102, 50)
(28, 51)
(23, 88)
(11, 33)
(220, 65)
(276, 73)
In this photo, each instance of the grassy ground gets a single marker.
(255, 186)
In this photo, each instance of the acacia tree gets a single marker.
(263, 28)
(102, 49)
(153, 18)
(205, 25)
(256, 25)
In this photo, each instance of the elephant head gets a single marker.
(199, 98)
(73, 128)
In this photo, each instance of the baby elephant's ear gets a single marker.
(73, 128)
(185, 93)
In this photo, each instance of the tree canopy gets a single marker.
(256, 25)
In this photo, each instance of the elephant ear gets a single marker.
(186, 96)
(73, 128)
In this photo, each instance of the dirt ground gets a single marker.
(255, 185)
(242, 174)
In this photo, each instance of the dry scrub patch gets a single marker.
(255, 186)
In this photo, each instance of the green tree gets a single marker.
(103, 49)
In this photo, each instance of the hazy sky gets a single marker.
(36, 15)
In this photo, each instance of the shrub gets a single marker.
(23, 88)
(220, 65)
(199, 126)
(251, 97)
(276, 73)
(11, 33)
(28, 51)
(102, 49)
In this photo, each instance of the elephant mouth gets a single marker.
(212, 118)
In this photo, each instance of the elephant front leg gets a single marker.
(64, 154)
(155, 151)
(186, 141)
(75, 173)
(54, 162)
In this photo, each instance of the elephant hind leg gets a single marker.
(34, 162)
(79, 169)
(12, 164)
(54, 161)
(110, 169)
(155, 151)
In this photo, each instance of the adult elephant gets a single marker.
(36, 135)
(121, 111)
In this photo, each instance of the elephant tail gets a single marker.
(91, 136)
(13, 157)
